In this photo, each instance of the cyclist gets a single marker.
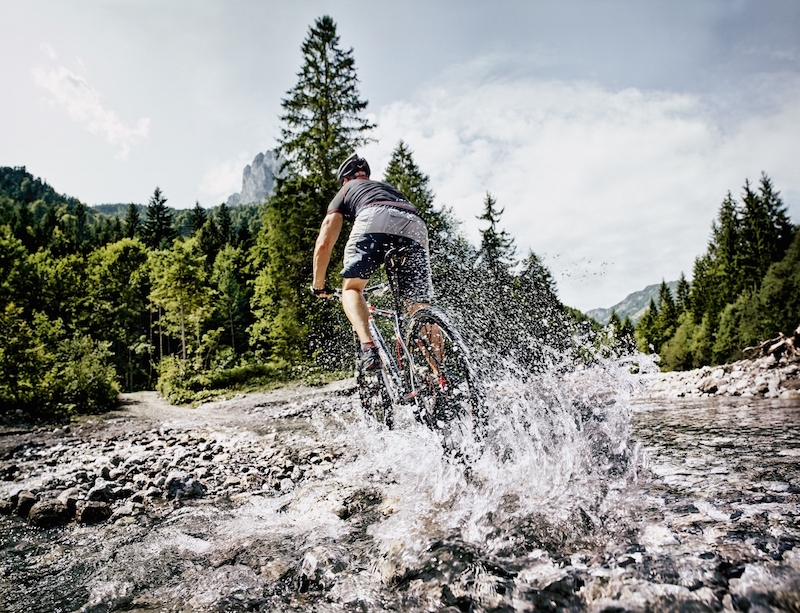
(382, 218)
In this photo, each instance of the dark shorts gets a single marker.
(364, 255)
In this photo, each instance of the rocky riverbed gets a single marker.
(765, 377)
(294, 500)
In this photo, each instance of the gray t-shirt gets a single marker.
(358, 194)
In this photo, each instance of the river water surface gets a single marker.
(579, 498)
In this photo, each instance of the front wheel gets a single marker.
(442, 370)
(374, 396)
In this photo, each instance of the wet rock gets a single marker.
(25, 500)
(70, 498)
(6, 507)
(92, 512)
(130, 508)
(102, 491)
(182, 485)
(48, 513)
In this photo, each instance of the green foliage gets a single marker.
(179, 384)
(230, 294)
(322, 125)
(197, 218)
(178, 287)
(132, 222)
(322, 112)
(497, 247)
(779, 297)
(119, 285)
(746, 287)
(404, 174)
(46, 375)
(158, 232)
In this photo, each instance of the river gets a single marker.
(582, 497)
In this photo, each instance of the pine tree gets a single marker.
(497, 247)
(684, 290)
(404, 174)
(132, 221)
(197, 218)
(322, 119)
(158, 232)
(322, 126)
(225, 224)
(782, 227)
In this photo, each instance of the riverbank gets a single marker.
(765, 377)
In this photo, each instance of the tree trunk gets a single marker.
(183, 334)
(230, 317)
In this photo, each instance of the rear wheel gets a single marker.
(443, 372)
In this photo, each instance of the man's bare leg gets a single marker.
(355, 307)
(434, 336)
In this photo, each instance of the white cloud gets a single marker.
(224, 178)
(83, 105)
(616, 189)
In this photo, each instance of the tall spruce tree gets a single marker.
(322, 120)
(225, 224)
(197, 218)
(497, 247)
(683, 291)
(158, 232)
(322, 126)
(404, 174)
(133, 222)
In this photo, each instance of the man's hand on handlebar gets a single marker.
(323, 292)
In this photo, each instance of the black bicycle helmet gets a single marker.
(351, 167)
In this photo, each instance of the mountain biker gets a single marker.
(382, 218)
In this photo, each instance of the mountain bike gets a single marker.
(426, 364)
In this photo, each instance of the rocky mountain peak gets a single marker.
(258, 179)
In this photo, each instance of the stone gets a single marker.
(6, 507)
(92, 512)
(130, 508)
(70, 498)
(708, 385)
(182, 485)
(102, 491)
(49, 513)
(25, 500)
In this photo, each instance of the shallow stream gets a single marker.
(579, 498)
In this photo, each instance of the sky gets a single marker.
(609, 131)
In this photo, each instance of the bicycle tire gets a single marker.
(374, 397)
(454, 393)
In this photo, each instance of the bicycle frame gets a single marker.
(399, 391)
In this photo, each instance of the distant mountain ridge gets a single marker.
(634, 305)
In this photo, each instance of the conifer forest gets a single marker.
(191, 301)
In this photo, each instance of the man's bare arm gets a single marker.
(328, 235)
